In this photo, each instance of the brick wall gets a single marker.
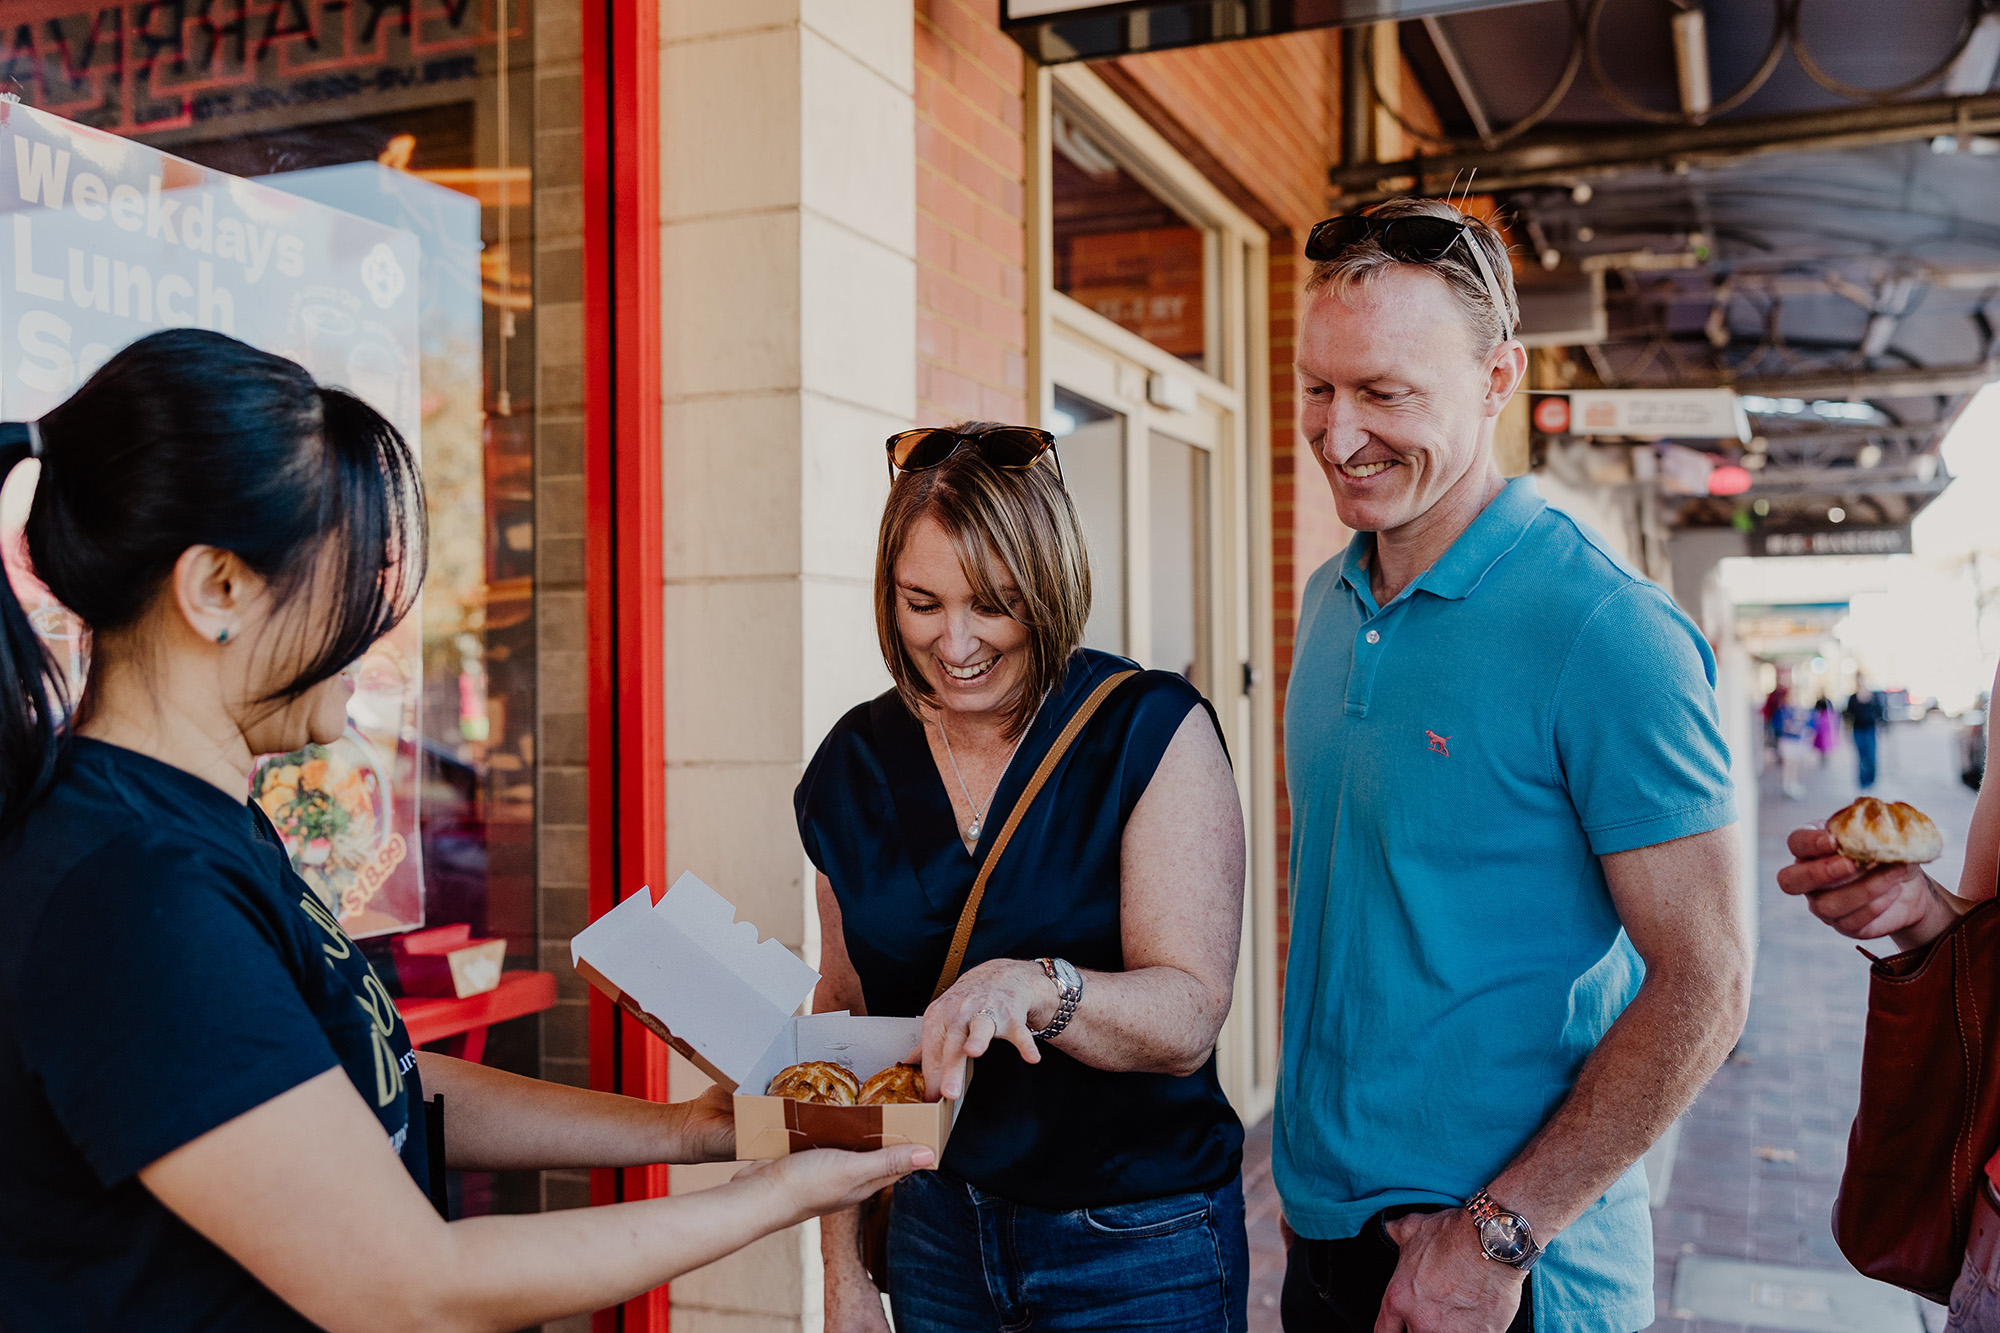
(563, 848)
(1288, 267)
(972, 291)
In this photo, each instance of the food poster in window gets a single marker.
(105, 240)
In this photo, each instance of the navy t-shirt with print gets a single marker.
(162, 971)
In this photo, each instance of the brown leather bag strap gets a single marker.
(962, 937)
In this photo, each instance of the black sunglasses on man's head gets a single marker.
(1002, 446)
(1408, 240)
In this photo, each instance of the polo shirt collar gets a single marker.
(1498, 530)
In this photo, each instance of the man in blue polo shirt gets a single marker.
(1517, 943)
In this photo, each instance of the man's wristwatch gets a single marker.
(1504, 1237)
(1069, 986)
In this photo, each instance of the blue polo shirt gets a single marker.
(1458, 760)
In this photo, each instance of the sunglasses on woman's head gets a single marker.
(1008, 446)
(1407, 240)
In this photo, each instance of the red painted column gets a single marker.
(624, 581)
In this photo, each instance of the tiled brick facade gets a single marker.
(562, 843)
(1292, 472)
(972, 321)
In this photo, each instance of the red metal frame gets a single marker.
(624, 581)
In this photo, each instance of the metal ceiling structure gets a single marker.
(1797, 198)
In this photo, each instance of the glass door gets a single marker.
(1178, 490)
(1093, 457)
(1144, 483)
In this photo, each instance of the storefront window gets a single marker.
(348, 185)
(1122, 251)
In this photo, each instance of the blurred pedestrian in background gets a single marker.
(1794, 726)
(1774, 701)
(1825, 729)
(1865, 713)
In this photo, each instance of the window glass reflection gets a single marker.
(1122, 251)
(1091, 440)
(1178, 489)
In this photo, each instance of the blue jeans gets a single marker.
(962, 1260)
(1864, 749)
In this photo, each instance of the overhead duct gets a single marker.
(1565, 161)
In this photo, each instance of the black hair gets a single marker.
(191, 438)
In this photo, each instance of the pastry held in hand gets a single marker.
(819, 1081)
(1872, 832)
(896, 1085)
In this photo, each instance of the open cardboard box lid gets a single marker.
(703, 982)
(696, 977)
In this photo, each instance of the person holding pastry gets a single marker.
(1039, 848)
(1863, 874)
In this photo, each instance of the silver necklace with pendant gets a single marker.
(978, 824)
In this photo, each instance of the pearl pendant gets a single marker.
(972, 830)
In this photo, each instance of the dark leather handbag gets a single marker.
(875, 1210)
(1930, 1108)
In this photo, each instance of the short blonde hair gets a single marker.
(1360, 265)
(1006, 524)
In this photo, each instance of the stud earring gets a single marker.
(222, 635)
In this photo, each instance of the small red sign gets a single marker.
(1729, 479)
(1551, 415)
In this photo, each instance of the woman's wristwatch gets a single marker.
(1069, 986)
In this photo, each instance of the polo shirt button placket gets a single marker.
(1361, 680)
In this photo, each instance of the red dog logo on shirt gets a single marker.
(1437, 743)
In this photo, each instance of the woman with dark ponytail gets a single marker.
(210, 1113)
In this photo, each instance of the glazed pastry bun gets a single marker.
(820, 1081)
(1872, 832)
(894, 1085)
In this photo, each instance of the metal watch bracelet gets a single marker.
(1069, 986)
(1505, 1237)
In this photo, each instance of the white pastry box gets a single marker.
(705, 984)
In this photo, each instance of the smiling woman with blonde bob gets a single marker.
(1099, 965)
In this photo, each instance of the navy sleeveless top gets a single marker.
(876, 819)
